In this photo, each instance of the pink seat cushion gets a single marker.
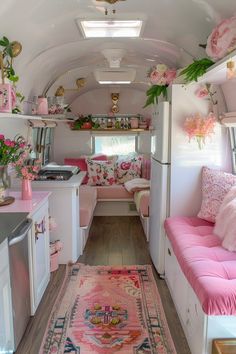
(114, 191)
(88, 200)
(209, 268)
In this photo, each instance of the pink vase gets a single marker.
(26, 189)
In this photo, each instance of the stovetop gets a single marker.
(54, 175)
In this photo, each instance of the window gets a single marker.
(115, 145)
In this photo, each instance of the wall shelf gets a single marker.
(48, 117)
(113, 130)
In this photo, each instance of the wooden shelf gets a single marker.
(113, 130)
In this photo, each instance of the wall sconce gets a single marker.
(115, 99)
(231, 70)
(79, 83)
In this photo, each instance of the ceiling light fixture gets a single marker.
(110, 28)
(114, 82)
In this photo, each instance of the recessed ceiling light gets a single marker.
(114, 82)
(110, 28)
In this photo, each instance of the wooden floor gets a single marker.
(112, 241)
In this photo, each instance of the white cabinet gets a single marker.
(6, 326)
(39, 255)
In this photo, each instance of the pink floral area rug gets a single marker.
(105, 310)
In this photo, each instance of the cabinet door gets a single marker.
(40, 254)
(6, 327)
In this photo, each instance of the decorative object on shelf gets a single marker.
(115, 99)
(10, 99)
(134, 122)
(200, 127)
(42, 105)
(231, 70)
(222, 39)
(160, 77)
(10, 152)
(80, 83)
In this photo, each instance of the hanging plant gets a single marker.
(8, 52)
(160, 77)
(196, 69)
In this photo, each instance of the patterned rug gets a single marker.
(106, 310)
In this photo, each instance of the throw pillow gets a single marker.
(215, 185)
(100, 173)
(225, 226)
(82, 164)
(127, 168)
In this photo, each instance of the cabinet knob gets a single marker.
(169, 252)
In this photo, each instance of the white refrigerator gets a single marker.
(160, 175)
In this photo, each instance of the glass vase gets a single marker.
(5, 182)
(26, 189)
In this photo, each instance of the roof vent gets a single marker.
(115, 76)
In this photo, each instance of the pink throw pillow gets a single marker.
(215, 185)
(225, 226)
(127, 168)
(100, 173)
(82, 164)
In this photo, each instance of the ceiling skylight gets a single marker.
(116, 28)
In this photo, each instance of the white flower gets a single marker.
(161, 68)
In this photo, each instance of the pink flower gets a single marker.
(8, 142)
(22, 145)
(155, 77)
(12, 143)
(2, 137)
(170, 75)
(222, 39)
(202, 92)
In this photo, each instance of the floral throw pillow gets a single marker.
(100, 173)
(127, 168)
(215, 185)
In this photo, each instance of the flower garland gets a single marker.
(160, 77)
(200, 127)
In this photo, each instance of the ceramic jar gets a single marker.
(42, 107)
(134, 121)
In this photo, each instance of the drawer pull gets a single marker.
(169, 252)
(39, 228)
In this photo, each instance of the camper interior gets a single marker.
(118, 176)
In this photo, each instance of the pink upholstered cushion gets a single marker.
(225, 226)
(209, 268)
(100, 173)
(215, 185)
(116, 191)
(127, 168)
(88, 200)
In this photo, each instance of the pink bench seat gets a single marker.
(209, 268)
(113, 192)
(88, 201)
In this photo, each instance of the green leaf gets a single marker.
(2, 43)
(13, 78)
(150, 100)
(9, 51)
(6, 40)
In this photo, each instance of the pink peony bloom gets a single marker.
(155, 77)
(202, 92)
(222, 39)
(170, 75)
(2, 137)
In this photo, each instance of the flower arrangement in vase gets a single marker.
(200, 127)
(160, 77)
(10, 152)
(27, 173)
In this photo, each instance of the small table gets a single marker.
(224, 346)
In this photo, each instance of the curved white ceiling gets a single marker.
(54, 51)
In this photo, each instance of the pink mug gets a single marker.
(42, 105)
